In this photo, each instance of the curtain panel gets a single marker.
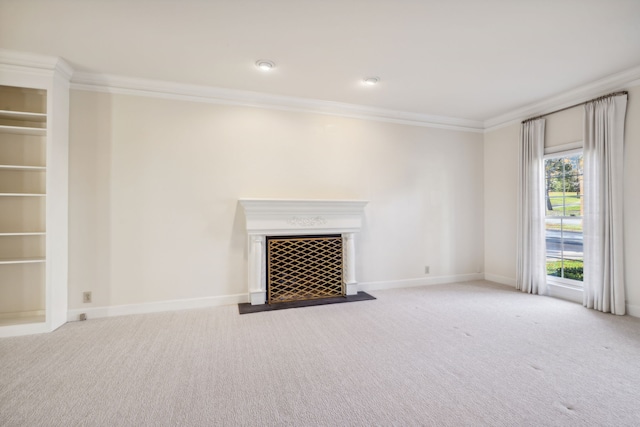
(530, 270)
(603, 208)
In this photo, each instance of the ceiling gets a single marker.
(465, 59)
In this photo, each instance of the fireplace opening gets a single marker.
(304, 267)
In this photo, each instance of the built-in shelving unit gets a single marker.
(33, 193)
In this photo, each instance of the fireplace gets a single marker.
(304, 268)
(316, 240)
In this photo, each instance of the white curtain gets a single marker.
(530, 270)
(603, 194)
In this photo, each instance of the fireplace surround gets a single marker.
(280, 217)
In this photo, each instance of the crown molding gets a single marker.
(614, 82)
(45, 64)
(187, 92)
(35, 62)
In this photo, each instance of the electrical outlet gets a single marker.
(86, 297)
(426, 269)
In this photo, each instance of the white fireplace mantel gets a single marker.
(279, 217)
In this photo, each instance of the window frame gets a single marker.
(566, 150)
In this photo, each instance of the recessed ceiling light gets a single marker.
(265, 64)
(370, 81)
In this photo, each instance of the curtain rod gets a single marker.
(624, 92)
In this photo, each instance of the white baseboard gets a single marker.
(633, 310)
(500, 279)
(155, 307)
(24, 329)
(422, 281)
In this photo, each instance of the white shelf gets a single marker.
(29, 260)
(23, 115)
(33, 195)
(24, 233)
(22, 168)
(22, 195)
(23, 130)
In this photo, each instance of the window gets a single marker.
(563, 221)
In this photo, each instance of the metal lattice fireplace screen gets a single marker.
(304, 267)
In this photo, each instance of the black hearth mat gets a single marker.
(246, 307)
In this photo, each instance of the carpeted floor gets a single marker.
(468, 354)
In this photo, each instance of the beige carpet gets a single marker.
(466, 354)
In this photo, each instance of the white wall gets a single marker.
(500, 204)
(155, 183)
(632, 201)
(501, 175)
(564, 127)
